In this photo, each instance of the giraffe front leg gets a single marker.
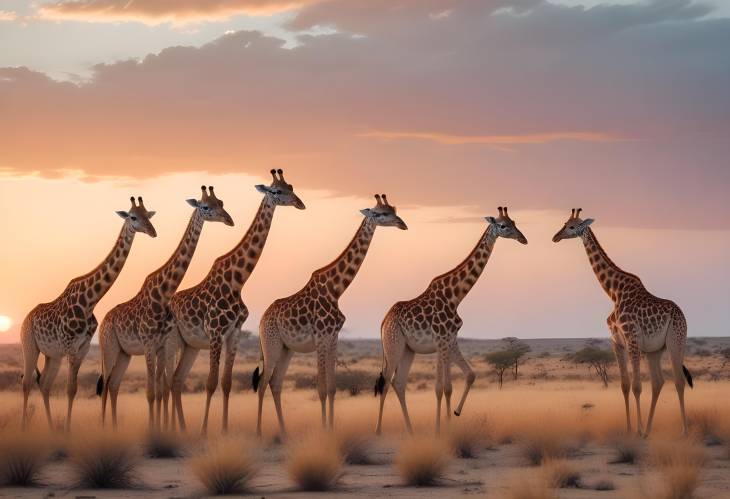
(187, 359)
(448, 386)
(331, 367)
(149, 358)
(460, 361)
(619, 350)
(635, 355)
(159, 386)
(74, 363)
(227, 381)
(322, 380)
(657, 381)
(439, 390)
(50, 370)
(30, 366)
(216, 345)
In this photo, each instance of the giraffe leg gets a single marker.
(460, 361)
(439, 390)
(272, 348)
(110, 351)
(227, 380)
(178, 382)
(657, 381)
(331, 367)
(115, 381)
(277, 383)
(216, 344)
(393, 347)
(619, 349)
(676, 339)
(150, 358)
(74, 363)
(322, 380)
(401, 380)
(30, 363)
(448, 386)
(159, 382)
(50, 370)
(635, 355)
(173, 343)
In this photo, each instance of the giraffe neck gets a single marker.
(163, 282)
(612, 279)
(457, 283)
(91, 287)
(236, 266)
(338, 275)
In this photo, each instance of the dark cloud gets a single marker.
(402, 102)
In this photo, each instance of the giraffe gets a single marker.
(311, 319)
(430, 323)
(140, 325)
(212, 312)
(639, 323)
(65, 326)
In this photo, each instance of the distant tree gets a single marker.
(519, 349)
(599, 359)
(725, 353)
(501, 360)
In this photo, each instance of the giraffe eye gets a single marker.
(572, 227)
(501, 226)
(134, 219)
(205, 208)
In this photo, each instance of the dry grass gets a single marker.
(680, 464)
(21, 461)
(707, 424)
(105, 462)
(422, 461)
(628, 451)
(469, 438)
(315, 463)
(529, 488)
(164, 445)
(355, 446)
(226, 468)
(560, 474)
(538, 447)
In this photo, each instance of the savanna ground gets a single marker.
(554, 432)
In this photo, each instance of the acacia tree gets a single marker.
(501, 360)
(598, 359)
(519, 349)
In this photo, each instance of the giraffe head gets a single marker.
(505, 227)
(574, 227)
(139, 218)
(383, 213)
(210, 207)
(280, 192)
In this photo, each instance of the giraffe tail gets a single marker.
(379, 385)
(37, 375)
(100, 385)
(687, 375)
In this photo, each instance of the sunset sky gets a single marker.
(451, 107)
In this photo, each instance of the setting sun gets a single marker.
(5, 323)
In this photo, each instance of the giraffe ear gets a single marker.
(150, 214)
(587, 222)
(491, 220)
(192, 202)
(367, 212)
(263, 188)
(123, 214)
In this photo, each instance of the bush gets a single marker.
(422, 461)
(21, 461)
(107, 462)
(315, 464)
(225, 469)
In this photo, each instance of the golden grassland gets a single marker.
(554, 433)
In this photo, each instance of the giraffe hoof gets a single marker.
(457, 414)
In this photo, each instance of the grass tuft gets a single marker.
(21, 461)
(680, 464)
(628, 451)
(529, 488)
(539, 447)
(422, 461)
(559, 474)
(355, 447)
(164, 445)
(225, 469)
(468, 439)
(107, 462)
(315, 463)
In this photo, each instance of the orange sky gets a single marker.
(452, 107)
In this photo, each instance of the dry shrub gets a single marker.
(539, 447)
(468, 439)
(164, 445)
(106, 462)
(707, 425)
(356, 447)
(559, 474)
(529, 488)
(604, 485)
(226, 468)
(422, 461)
(315, 463)
(680, 464)
(628, 451)
(21, 461)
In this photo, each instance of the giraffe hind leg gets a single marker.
(460, 361)
(401, 380)
(676, 340)
(657, 381)
(394, 345)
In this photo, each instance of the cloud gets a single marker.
(563, 87)
(163, 11)
(8, 15)
(498, 141)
